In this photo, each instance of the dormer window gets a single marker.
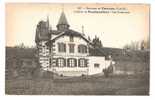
(71, 39)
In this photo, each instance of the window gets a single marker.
(61, 47)
(60, 62)
(72, 62)
(82, 49)
(96, 65)
(71, 48)
(82, 62)
(71, 39)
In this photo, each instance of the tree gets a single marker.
(142, 45)
(134, 45)
(20, 46)
(97, 42)
(145, 44)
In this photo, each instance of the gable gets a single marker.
(67, 39)
(69, 33)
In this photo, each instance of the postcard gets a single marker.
(77, 49)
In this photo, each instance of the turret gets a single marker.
(42, 31)
(62, 24)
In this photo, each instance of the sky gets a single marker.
(115, 29)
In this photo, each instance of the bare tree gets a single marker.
(134, 45)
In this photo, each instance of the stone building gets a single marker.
(65, 51)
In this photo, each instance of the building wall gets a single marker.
(69, 71)
(43, 53)
(94, 65)
(66, 70)
(89, 70)
(66, 40)
(97, 60)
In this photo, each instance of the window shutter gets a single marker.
(57, 62)
(78, 49)
(64, 47)
(79, 63)
(85, 49)
(59, 47)
(75, 62)
(68, 63)
(64, 62)
(86, 62)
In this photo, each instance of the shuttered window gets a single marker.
(71, 48)
(61, 47)
(71, 62)
(61, 62)
(82, 62)
(71, 39)
(82, 48)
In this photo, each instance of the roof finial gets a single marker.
(83, 30)
(62, 7)
(47, 18)
(48, 23)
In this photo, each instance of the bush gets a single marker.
(108, 70)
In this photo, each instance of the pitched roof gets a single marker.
(55, 32)
(69, 33)
(63, 19)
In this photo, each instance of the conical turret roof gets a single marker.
(63, 19)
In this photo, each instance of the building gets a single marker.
(65, 51)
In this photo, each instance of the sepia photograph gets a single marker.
(77, 49)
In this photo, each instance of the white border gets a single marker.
(2, 50)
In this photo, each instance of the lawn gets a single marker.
(136, 84)
(92, 85)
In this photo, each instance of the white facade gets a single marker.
(66, 40)
(65, 51)
(95, 64)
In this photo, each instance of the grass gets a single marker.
(137, 84)
(113, 85)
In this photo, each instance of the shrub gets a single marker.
(108, 70)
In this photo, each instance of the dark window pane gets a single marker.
(61, 62)
(61, 47)
(82, 49)
(96, 65)
(71, 62)
(71, 39)
(71, 48)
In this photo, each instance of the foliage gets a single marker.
(108, 70)
(138, 45)
(23, 46)
(134, 45)
(97, 42)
